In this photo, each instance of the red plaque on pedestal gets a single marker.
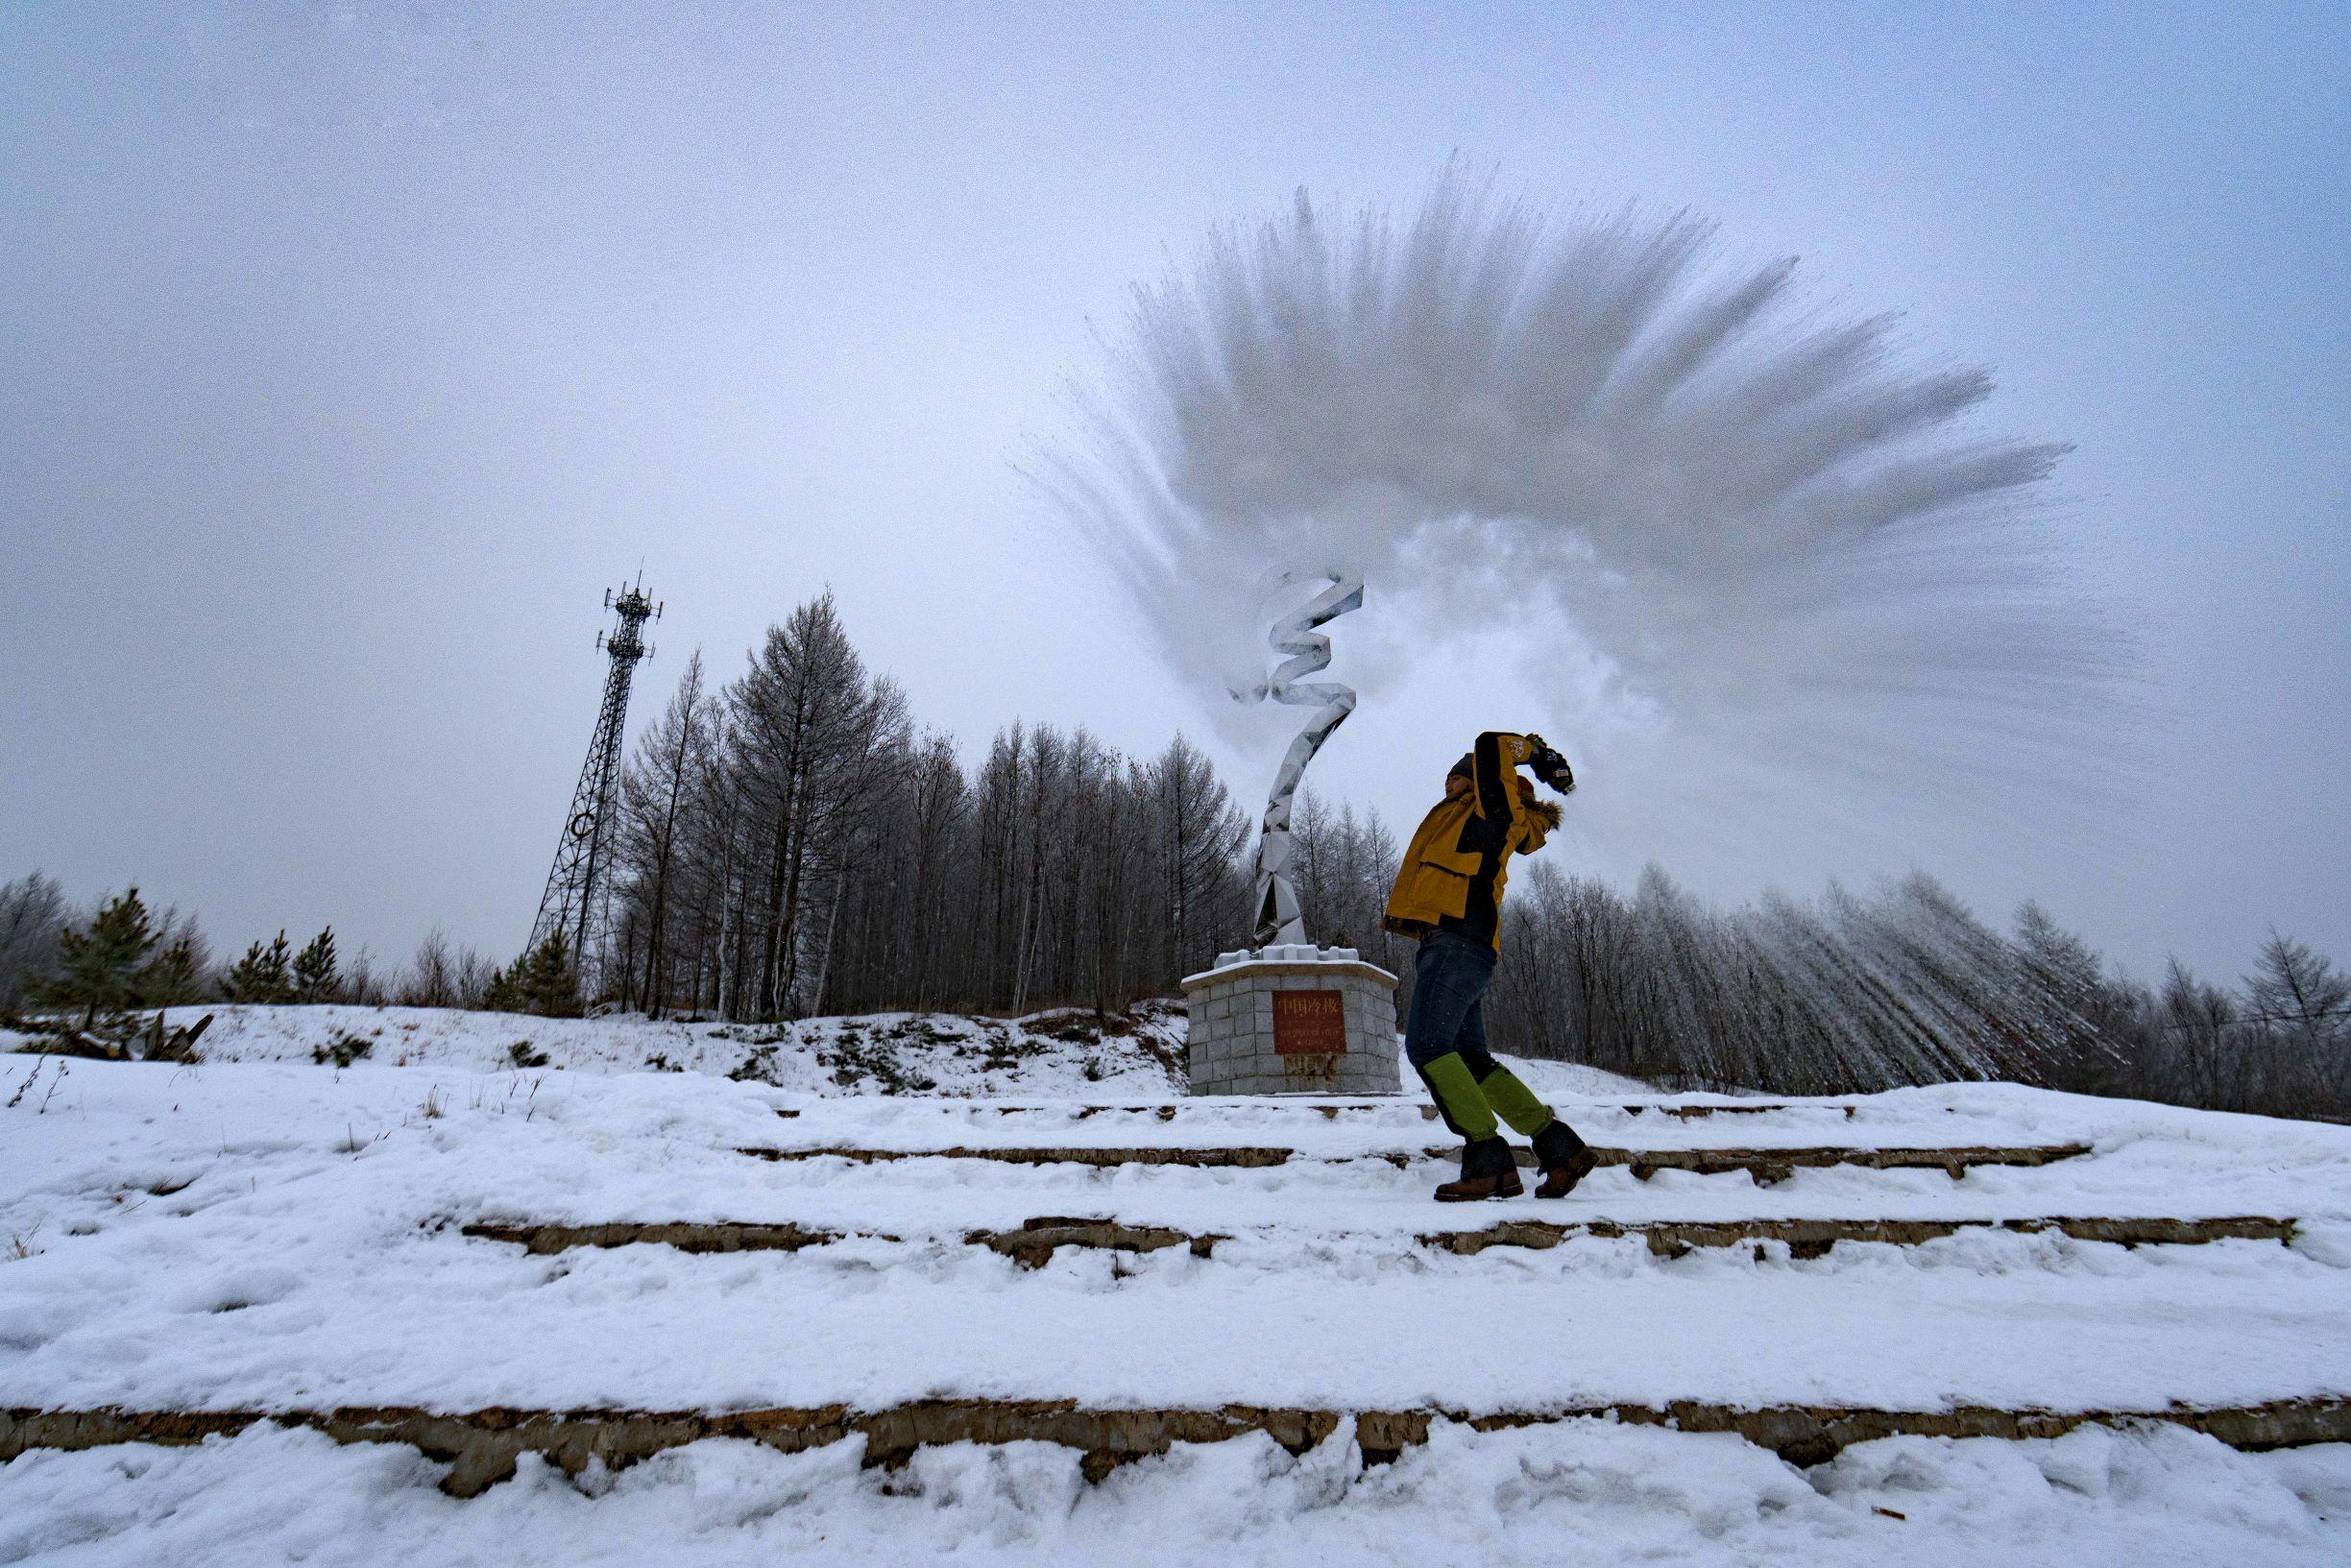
(1309, 1024)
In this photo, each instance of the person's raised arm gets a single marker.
(1493, 773)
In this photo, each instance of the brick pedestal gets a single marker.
(1293, 1020)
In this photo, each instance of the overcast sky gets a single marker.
(348, 352)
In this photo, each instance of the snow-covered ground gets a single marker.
(1064, 1052)
(1585, 1493)
(270, 1232)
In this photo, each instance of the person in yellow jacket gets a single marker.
(1449, 893)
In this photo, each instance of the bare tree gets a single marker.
(362, 985)
(32, 916)
(431, 977)
(653, 791)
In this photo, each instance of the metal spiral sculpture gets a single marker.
(1277, 901)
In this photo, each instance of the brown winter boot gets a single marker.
(1564, 1158)
(1489, 1170)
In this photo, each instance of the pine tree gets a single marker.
(262, 976)
(99, 963)
(540, 981)
(502, 995)
(2065, 998)
(315, 975)
(174, 976)
(2300, 993)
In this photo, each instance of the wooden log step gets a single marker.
(1245, 1158)
(1766, 1166)
(1687, 1113)
(687, 1235)
(481, 1447)
(1031, 1244)
(1332, 1112)
(1034, 1241)
(1771, 1165)
(1813, 1237)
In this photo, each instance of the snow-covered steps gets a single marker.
(334, 1307)
(483, 1447)
(1035, 1241)
(1765, 1165)
(1333, 1203)
(254, 1240)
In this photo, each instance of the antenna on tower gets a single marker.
(574, 907)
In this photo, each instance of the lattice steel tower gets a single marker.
(574, 904)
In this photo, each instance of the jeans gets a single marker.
(1447, 1031)
(1450, 973)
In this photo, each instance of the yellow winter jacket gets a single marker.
(1459, 860)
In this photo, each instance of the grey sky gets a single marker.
(347, 354)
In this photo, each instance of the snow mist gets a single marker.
(1756, 567)
(1751, 567)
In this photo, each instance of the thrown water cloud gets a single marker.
(1756, 555)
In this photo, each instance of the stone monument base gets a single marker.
(1293, 1019)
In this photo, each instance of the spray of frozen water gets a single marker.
(1756, 570)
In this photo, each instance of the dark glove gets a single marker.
(1549, 765)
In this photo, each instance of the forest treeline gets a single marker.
(791, 843)
(1906, 986)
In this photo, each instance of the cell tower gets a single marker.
(573, 906)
